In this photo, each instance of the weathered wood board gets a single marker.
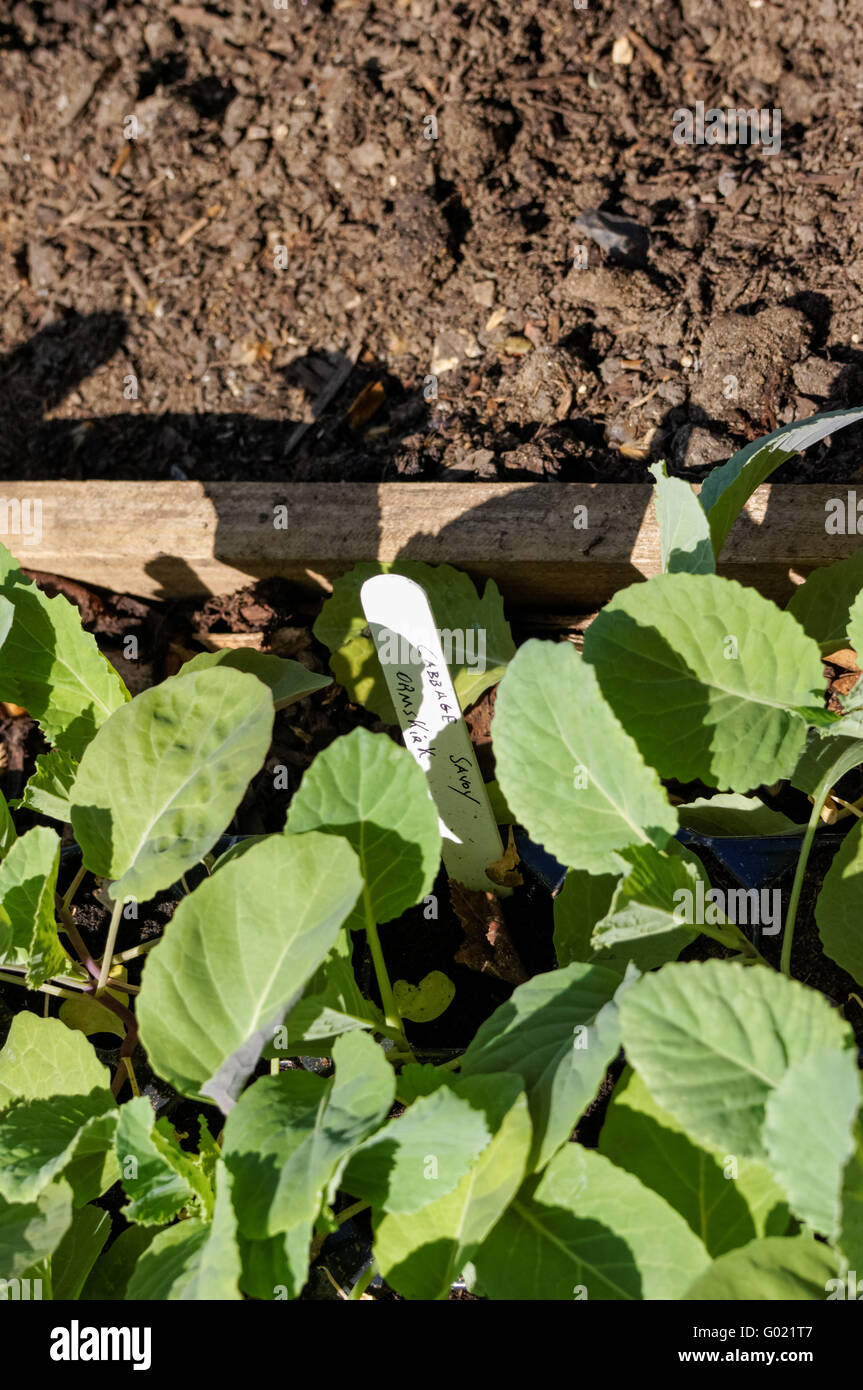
(172, 539)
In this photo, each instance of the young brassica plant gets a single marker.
(733, 1136)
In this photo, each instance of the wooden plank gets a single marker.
(173, 539)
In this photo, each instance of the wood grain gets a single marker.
(173, 539)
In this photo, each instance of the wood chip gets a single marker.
(622, 52)
(650, 56)
(517, 346)
(188, 232)
(224, 641)
(120, 160)
(135, 280)
(199, 17)
(495, 319)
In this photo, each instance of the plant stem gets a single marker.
(338, 1288)
(11, 979)
(120, 985)
(391, 1013)
(353, 1210)
(362, 1283)
(134, 951)
(392, 1034)
(133, 1080)
(77, 941)
(127, 1046)
(852, 757)
(79, 986)
(108, 957)
(78, 944)
(72, 889)
(733, 939)
(820, 797)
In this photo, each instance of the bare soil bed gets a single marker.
(261, 282)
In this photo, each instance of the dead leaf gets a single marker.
(487, 947)
(367, 404)
(845, 657)
(504, 871)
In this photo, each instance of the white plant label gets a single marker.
(408, 645)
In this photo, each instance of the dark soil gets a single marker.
(260, 283)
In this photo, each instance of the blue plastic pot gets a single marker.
(755, 861)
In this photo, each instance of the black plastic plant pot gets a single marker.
(757, 861)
